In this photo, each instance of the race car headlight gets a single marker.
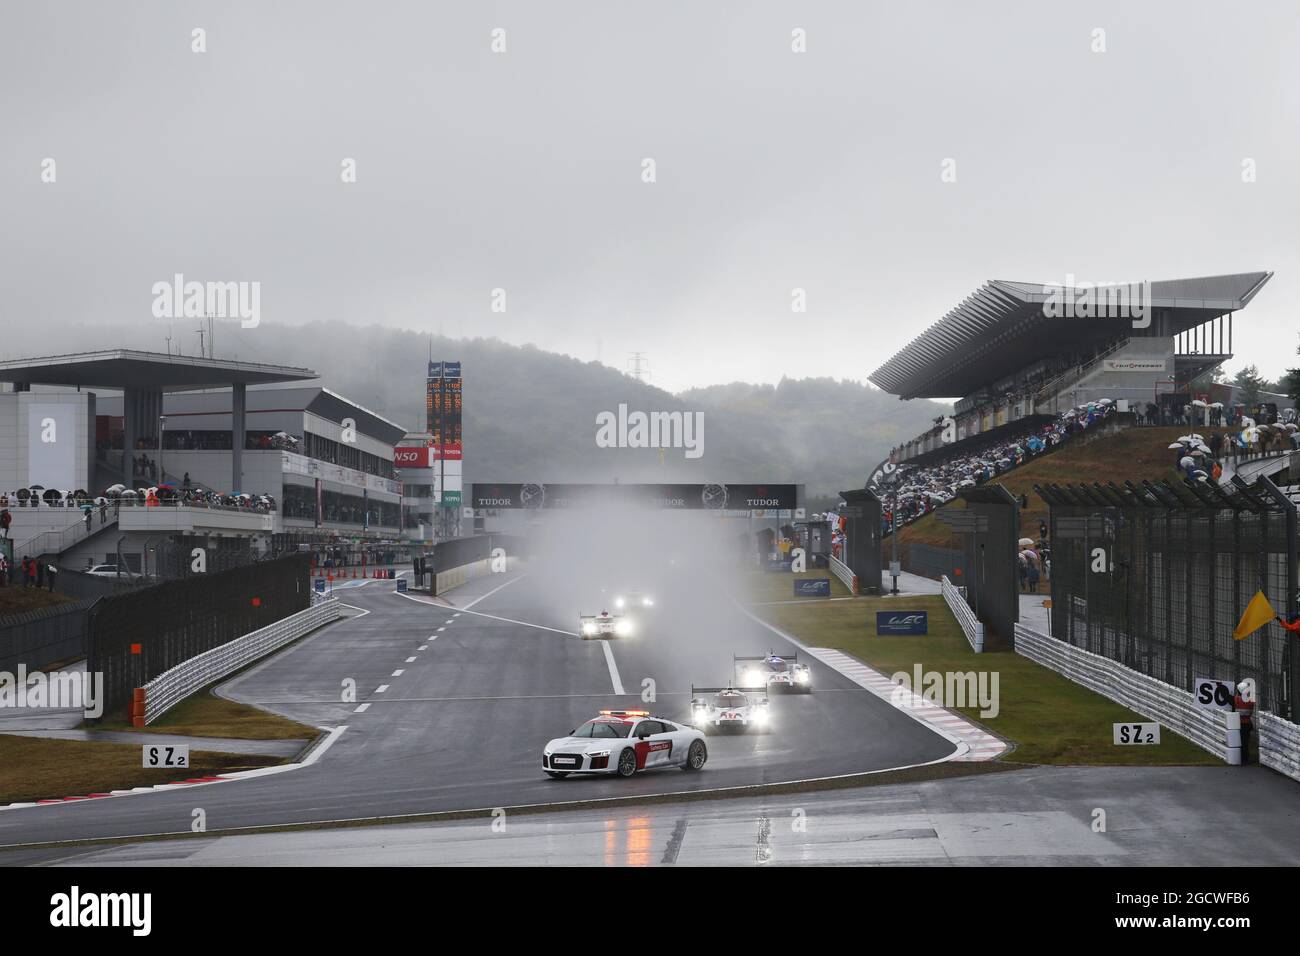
(619, 602)
(589, 628)
(803, 677)
(623, 628)
(647, 602)
(760, 716)
(754, 676)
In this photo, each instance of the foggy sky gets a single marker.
(522, 170)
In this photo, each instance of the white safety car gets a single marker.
(774, 671)
(730, 708)
(623, 742)
(603, 625)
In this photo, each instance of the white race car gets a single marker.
(623, 742)
(633, 600)
(603, 625)
(729, 708)
(779, 671)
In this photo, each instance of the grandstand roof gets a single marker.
(1002, 327)
(123, 368)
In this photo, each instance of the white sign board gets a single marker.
(166, 756)
(52, 445)
(1213, 694)
(1136, 734)
(1133, 365)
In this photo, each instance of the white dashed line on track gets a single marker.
(613, 669)
(381, 688)
(410, 660)
(398, 673)
(361, 709)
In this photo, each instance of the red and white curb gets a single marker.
(974, 743)
(981, 745)
(313, 754)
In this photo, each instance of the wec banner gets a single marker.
(812, 587)
(902, 622)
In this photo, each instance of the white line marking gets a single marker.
(457, 614)
(441, 629)
(425, 647)
(361, 709)
(398, 673)
(493, 591)
(510, 620)
(381, 688)
(410, 660)
(613, 669)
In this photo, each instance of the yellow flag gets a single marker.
(1258, 613)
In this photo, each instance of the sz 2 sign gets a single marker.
(1137, 734)
(1212, 694)
(902, 622)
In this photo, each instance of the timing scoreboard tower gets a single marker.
(443, 398)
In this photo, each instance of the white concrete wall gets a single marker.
(15, 465)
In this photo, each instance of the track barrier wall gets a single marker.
(137, 636)
(970, 625)
(172, 686)
(1171, 706)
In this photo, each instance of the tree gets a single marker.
(1290, 383)
(1251, 384)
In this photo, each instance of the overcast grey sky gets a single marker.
(523, 170)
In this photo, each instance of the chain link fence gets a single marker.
(1157, 576)
(136, 636)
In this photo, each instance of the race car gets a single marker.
(775, 671)
(623, 742)
(729, 708)
(603, 625)
(633, 600)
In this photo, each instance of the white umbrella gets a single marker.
(1199, 403)
(1026, 542)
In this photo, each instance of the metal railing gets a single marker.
(971, 626)
(1279, 744)
(171, 687)
(1073, 375)
(843, 572)
(1171, 706)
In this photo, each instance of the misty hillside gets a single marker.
(530, 415)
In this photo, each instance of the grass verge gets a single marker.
(766, 586)
(38, 768)
(204, 714)
(1050, 719)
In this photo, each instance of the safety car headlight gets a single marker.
(597, 753)
(619, 602)
(760, 716)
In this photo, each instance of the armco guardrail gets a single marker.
(971, 626)
(1279, 744)
(1171, 706)
(841, 571)
(171, 687)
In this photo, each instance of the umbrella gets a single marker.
(115, 489)
(1026, 542)
(52, 495)
(1029, 553)
(1247, 422)
(129, 494)
(1199, 403)
(101, 500)
(1177, 444)
(1216, 404)
(36, 487)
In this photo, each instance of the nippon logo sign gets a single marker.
(1081, 299)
